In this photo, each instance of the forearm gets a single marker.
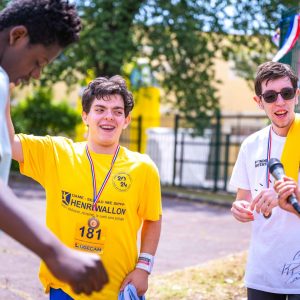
(149, 241)
(150, 236)
(20, 225)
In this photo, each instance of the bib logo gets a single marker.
(122, 182)
(66, 197)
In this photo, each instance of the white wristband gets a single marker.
(145, 262)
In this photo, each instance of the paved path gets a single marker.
(192, 234)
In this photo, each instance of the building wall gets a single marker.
(235, 94)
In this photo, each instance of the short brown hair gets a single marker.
(269, 71)
(102, 87)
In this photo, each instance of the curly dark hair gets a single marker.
(47, 21)
(102, 87)
(271, 71)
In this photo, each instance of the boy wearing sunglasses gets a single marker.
(273, 268)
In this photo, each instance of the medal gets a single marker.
(93, 222)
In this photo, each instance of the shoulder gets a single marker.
(67, 145)
(58, 142)
(139, 158)
(4, 83)
(256, 138)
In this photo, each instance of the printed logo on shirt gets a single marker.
(291, 269)
(83, 205)
(122, 181)
(260, 163)
(66, 197)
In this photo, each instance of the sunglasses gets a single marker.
(271, 96)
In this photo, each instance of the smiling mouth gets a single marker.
(107, 127)
(281, 113)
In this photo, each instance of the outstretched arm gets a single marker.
(82, 271)
(16, 146)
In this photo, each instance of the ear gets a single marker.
(84, 118)
(18, 34)
(127, 121)
(258, 101)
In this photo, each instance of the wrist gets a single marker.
(51, 250)
(145, 262)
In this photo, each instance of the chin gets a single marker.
(107, 143)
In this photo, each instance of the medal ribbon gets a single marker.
(268, 157)
(97, 196)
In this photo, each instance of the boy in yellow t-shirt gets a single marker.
(98, 193)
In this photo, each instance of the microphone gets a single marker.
(276, 169)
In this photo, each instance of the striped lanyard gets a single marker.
(97, 196)
(268, 157)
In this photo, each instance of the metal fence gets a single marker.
(188, 160)
(132, 136)
(211, 157)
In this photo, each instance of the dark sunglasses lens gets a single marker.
(270, 96)
(287, 93)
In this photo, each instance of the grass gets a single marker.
(220, 279)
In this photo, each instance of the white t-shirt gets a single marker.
(274, 255)
(5, 147)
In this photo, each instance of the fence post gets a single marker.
(139, 133)
(181, 158)
(226, 163)
(175, 147)
(217, 151)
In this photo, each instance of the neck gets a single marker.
(281, 131)
(102, 149)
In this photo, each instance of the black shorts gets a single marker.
(260, 295)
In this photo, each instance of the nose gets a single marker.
(280, 100)
(109, 114)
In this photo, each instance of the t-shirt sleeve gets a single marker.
(150, 207)
(239, 178)
(36, 152)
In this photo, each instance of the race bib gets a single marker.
(89, 239)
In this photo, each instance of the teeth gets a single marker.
(280, 112)
(107, 127)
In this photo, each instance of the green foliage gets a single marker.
(106, 42)
(3, 3)
(39, 116)
(183, 40)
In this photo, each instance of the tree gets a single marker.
(38, 115)
(182, 38)
(3, 3)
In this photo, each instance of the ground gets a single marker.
(192, 234)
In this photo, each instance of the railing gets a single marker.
(188, 160)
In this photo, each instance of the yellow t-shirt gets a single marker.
(131, 195)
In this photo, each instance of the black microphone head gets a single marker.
(274, 163)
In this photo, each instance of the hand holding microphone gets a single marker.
(285, 187)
